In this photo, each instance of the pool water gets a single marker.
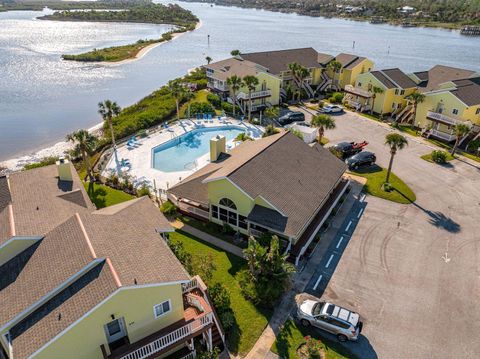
(180, 153)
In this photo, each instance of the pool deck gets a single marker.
(140, 156)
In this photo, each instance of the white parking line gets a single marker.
(360, 213)
(339, 242)
(317, 282)
(363, 197)
(329, 260)
(348, 226)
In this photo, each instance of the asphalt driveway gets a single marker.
(412, 271)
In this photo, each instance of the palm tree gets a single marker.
(416, 97)
(461, 131)
(396, 142)
(323, 122)
(296, 69)
(302, 74)
(335, 66)
(251, 82)
(235, 83)
(235, 52)
(178, 92)
(209, 59)
(375, 90)
(108, 110)
(85, 144)
(272, 112)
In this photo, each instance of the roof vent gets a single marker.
(64, 169)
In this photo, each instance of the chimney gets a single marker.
(218, 145)
(64, 169)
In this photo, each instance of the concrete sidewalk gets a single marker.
(217, 242)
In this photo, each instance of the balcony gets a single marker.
(216, 86)
(255, 95)
(199, 317)
(442, 135)
(440, 117)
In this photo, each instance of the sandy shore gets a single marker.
(56, 150)
(59, 148)
(147, 49)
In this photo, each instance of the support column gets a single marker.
(209, 339)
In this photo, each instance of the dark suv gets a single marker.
(361, 159)
(291, 117)
(344, 150)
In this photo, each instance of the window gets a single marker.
(161, 309)
(114, 327)
(478, 111)
(226, 202)
(359, 84)
(339, 323)
(402, 92)
(214, 211)
(242, 222)
(396, 91)
(223, 214)
(394, 105)
(455, 111)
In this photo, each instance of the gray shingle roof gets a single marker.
(440, 74)
(282, 169)
(468, 91)
(277, 61)
(349, 61)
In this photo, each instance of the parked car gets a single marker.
(361, 159)
(301, 123)
(291, 117)
(331, 109)
(343, 323)
(347, 149)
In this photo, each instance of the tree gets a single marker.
(251, 82)
(375, 91)
(272, 113)
(235, 83)
(335, 66)
(416, 97)
(108, 110)
(461, 130)
(204, 266)
(268, 274)
(208, 59)
(270, 130)
(85, 144)
(302, 74)
(178, 92)
(299, 73)
(235, 52)
(396, 142)
(323, 122)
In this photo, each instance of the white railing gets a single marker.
(187, 287)
(442, 135)
(171, 338)
(191, 355)
(198, 211)
(256, 94)
(442, 118)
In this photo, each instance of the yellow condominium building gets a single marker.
(76, 282)
(352, 66)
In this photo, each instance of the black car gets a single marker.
(361, 159)
(346, 149)
(291, 117)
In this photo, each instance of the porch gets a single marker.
(443, 126)
(199, 319)
(357, 98)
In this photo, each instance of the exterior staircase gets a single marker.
(473, 135)
(406, 115)
(326, 82)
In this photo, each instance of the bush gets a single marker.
(228, 108)
(214, 100)
(473, 146)
(220, 297)
(201, 107)
(144, 190)
(228, 320)
(46, 161)
(260, 291)
(337, 97)
(182, 255)
(227, 229)
(387, 187)
(439, 157)
(168, 208)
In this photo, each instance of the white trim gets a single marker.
(52, 293)
(19, 238)
(161, 305)
(64, 331)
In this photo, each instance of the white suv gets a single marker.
(343, 323)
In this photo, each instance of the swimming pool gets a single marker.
(180, 153)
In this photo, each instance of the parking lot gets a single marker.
(411, 271)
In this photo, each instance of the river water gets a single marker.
(42, 98)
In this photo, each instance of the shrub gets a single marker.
(220, 297)
(228, 108)
(144, 190)
(201, 107)
(214, 100)
(46, 161)
(228, 320)
(214, 354)
(204, 266)
(387, 187)
(227, 229)
(168, 208)
(182, 255)
(439, 157)
(337, 97)
(473, 146)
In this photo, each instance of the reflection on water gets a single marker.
(42, 97)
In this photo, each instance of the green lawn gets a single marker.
(449, 148)
(200, 96)
(291, 337)
(104, 196)
(407, 129)
(428, 157)
(250, 321)
(401, 192)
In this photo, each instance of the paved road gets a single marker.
(411, 271)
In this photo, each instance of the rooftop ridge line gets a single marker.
(11, 219)
(114, 272)
(85, 235)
